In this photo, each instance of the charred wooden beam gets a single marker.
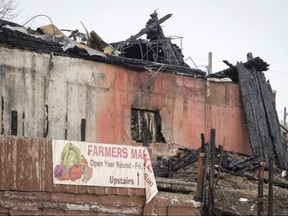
(260, 187)
(211, 191)
(166, 168)
(202, 143)
(239, 164)
(228, 64)
(261, 115)
(169, 55)
(283, 128)
(161, 171)
(189, 159)
(200, 177)
(270, 192)
(254, 112)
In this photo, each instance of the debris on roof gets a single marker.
(92, 47)
(232, 71)
(156, 48)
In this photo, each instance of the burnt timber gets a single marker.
(261, 115)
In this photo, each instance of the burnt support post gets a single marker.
(270, 192)
(200, 171)
(211, 191)
(260, 187)
(202, 143)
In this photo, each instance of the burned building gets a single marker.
(135, 92)
(58, 91)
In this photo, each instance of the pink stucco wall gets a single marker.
(103, 95)
(188, 107)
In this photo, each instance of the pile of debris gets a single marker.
(226, 161)
(156, 48)
(231, 189)
(156, 52)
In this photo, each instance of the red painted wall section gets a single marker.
(188, 107)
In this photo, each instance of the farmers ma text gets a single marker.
(116, 152)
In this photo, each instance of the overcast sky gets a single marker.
(227, 28)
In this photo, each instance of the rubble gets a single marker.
(236, 178)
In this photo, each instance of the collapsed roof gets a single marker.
(92, 47)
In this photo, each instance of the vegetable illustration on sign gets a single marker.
(73, 165)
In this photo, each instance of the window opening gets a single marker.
(146, 126)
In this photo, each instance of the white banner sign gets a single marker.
(97, 164)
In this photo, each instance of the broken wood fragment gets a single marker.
(229, 64)
(96, 42)
(143, 31)
(166, 168)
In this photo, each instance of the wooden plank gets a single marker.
(211, 192)
(270, 190)
(246, 100)
(261, 115)
(260, 188)
(273, 123)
